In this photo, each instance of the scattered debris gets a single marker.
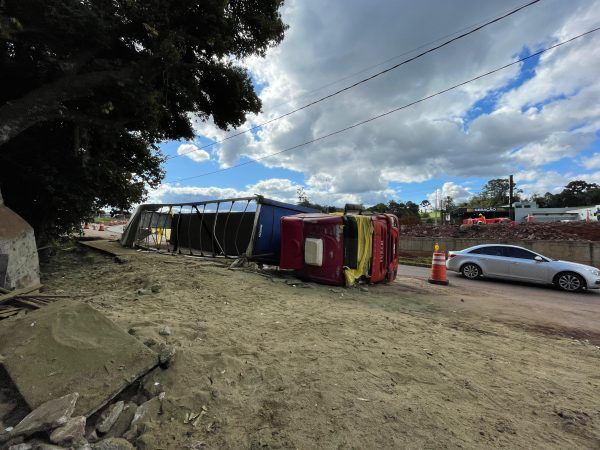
(123, 422)
(72, 431)
(567, 231)
(54, 413)
(165, 331)
(165, 356)
(109, 417)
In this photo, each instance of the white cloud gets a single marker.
(592, 162)
(553, 115)
(193, 152)
(539, 182)
(449, 189)
(281, 189)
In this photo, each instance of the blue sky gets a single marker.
(539, 120)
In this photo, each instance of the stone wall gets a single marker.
(19, 264)
(577, 251)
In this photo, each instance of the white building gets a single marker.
(524, 209)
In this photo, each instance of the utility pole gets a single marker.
(436, 207)
(511, 188)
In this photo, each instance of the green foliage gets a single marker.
(55, 186)
(89, 88)
(494, 193)
(576, 193)
(408, 209)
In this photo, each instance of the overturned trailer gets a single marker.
(248, 226)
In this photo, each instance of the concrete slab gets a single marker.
(18, 251)
(70, 347)
(113, 248)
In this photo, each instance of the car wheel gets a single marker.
(570, 282)
(470, 271)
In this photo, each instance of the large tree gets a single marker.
(127, 73)
(494, 193)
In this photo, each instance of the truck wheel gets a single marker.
(471, 271)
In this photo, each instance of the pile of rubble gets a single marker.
(565, 231)
(52, 426)
(106, 396)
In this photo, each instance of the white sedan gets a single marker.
(517, 263)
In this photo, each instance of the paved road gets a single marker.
(504, 288)
(544, 306)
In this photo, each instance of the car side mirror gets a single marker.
(539, 259)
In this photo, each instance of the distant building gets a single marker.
(524, 209)
(459, 214)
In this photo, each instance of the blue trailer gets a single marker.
(248, 227)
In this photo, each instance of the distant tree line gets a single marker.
(402, 210)
(496, 193)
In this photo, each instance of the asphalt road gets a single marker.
(526, 305)
(504, 288)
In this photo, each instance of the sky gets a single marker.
(538, 120)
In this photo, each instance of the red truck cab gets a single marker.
(321, 247)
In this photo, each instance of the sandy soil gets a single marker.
(282, 366)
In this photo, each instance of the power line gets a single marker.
(408, 52)
(364, 80)
(371, 119)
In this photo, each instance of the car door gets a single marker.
(524, 266)
(492, 261)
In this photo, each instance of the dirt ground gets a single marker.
(277, 365)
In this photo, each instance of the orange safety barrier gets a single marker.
(438, 268)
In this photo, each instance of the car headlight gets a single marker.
(596, 273)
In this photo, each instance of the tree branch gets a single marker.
(46, 102)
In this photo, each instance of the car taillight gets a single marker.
(451, 255)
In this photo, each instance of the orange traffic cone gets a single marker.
(438, 267)
(101, 227)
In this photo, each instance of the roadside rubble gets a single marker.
(52, 427)
(87, 384)
(568, 231)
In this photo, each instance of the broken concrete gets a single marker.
(47, 416)
(19, 264)
(109, 417)
(149, 410)
(72, 431)
(69, 346)
(124, 421)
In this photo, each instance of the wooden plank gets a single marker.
(27, 303)
(51, 295)
(18, 292)
(112, 248)
(6, 315)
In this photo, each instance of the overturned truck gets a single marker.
(239, 227)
